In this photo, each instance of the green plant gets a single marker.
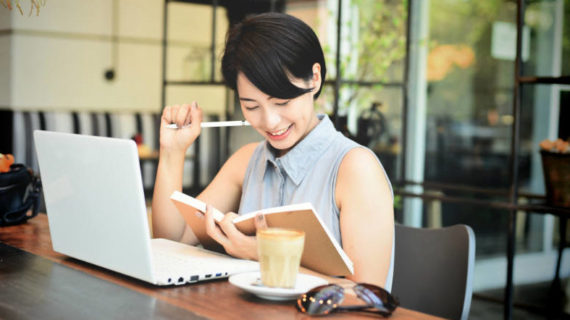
(378, 52)
(398, 202)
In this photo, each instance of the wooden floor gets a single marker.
(531, 303)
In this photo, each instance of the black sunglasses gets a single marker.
(325, 299)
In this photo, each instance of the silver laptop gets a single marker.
(96, 210)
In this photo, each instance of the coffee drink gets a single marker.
(279, 252)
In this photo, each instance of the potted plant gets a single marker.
(556, 167)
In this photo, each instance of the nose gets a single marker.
(272, 119)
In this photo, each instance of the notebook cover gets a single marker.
(322, 253)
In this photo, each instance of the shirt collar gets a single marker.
(302, 157)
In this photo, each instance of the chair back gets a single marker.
(433, 269)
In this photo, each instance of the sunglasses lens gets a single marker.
(376, 296)
(321, 300)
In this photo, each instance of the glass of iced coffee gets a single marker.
(279, 251)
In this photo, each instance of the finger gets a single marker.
(188, 119)
(166, 115)
(182, 115)
(173, 113)
(227, 222)
(229, 228)
(193, 105)
(229, 217)
(260, 222)
(195, 115)
(213, 230)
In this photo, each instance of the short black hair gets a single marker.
(269, 48)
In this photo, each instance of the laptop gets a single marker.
(97, 213)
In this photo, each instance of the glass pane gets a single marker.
(541, 106)
(469, 120)
(189, 55)
(222, 26)
(469, 102)
(188, 62)
(546, 37)
(374, 39)
(211, 98)
(542, 117)
(469, 115)
(490, 227)
(373, 117)
(321, 16)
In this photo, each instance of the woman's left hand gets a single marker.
(234, 242)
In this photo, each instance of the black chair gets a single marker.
(433, 269)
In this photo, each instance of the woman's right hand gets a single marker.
(188, 118)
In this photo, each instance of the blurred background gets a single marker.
(453, 96)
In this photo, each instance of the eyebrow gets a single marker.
(253, 100)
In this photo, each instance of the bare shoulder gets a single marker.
(360, 173)
(360, 162)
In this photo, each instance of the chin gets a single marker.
(282, 146)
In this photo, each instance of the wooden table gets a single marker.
(36, 282)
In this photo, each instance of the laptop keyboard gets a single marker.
(176, 263)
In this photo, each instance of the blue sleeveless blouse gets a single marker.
(307, 173)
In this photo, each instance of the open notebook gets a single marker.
(322, 253)
(96, 211)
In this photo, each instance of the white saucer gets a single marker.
(249, 282)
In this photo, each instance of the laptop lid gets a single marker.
(95, 202)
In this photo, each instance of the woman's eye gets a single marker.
(250, 108)
(284, 103)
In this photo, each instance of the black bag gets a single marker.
(20, 191)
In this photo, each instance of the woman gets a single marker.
(276, 65)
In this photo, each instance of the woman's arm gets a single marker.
(366, 216)
(223, 192)
(166, 221)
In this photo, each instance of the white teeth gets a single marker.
(278, 133)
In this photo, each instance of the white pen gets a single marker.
(214, 124)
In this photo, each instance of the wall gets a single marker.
(57, 60)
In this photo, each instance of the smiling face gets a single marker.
(283, 122)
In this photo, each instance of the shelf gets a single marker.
(544, 80)
(538, 207)
(208, 2)
(194, 83)
(543, 207)
(367, 83)
(226, 3)
(439, 186)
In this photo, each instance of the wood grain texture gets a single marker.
(216, 299)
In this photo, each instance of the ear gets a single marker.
(316, 79)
